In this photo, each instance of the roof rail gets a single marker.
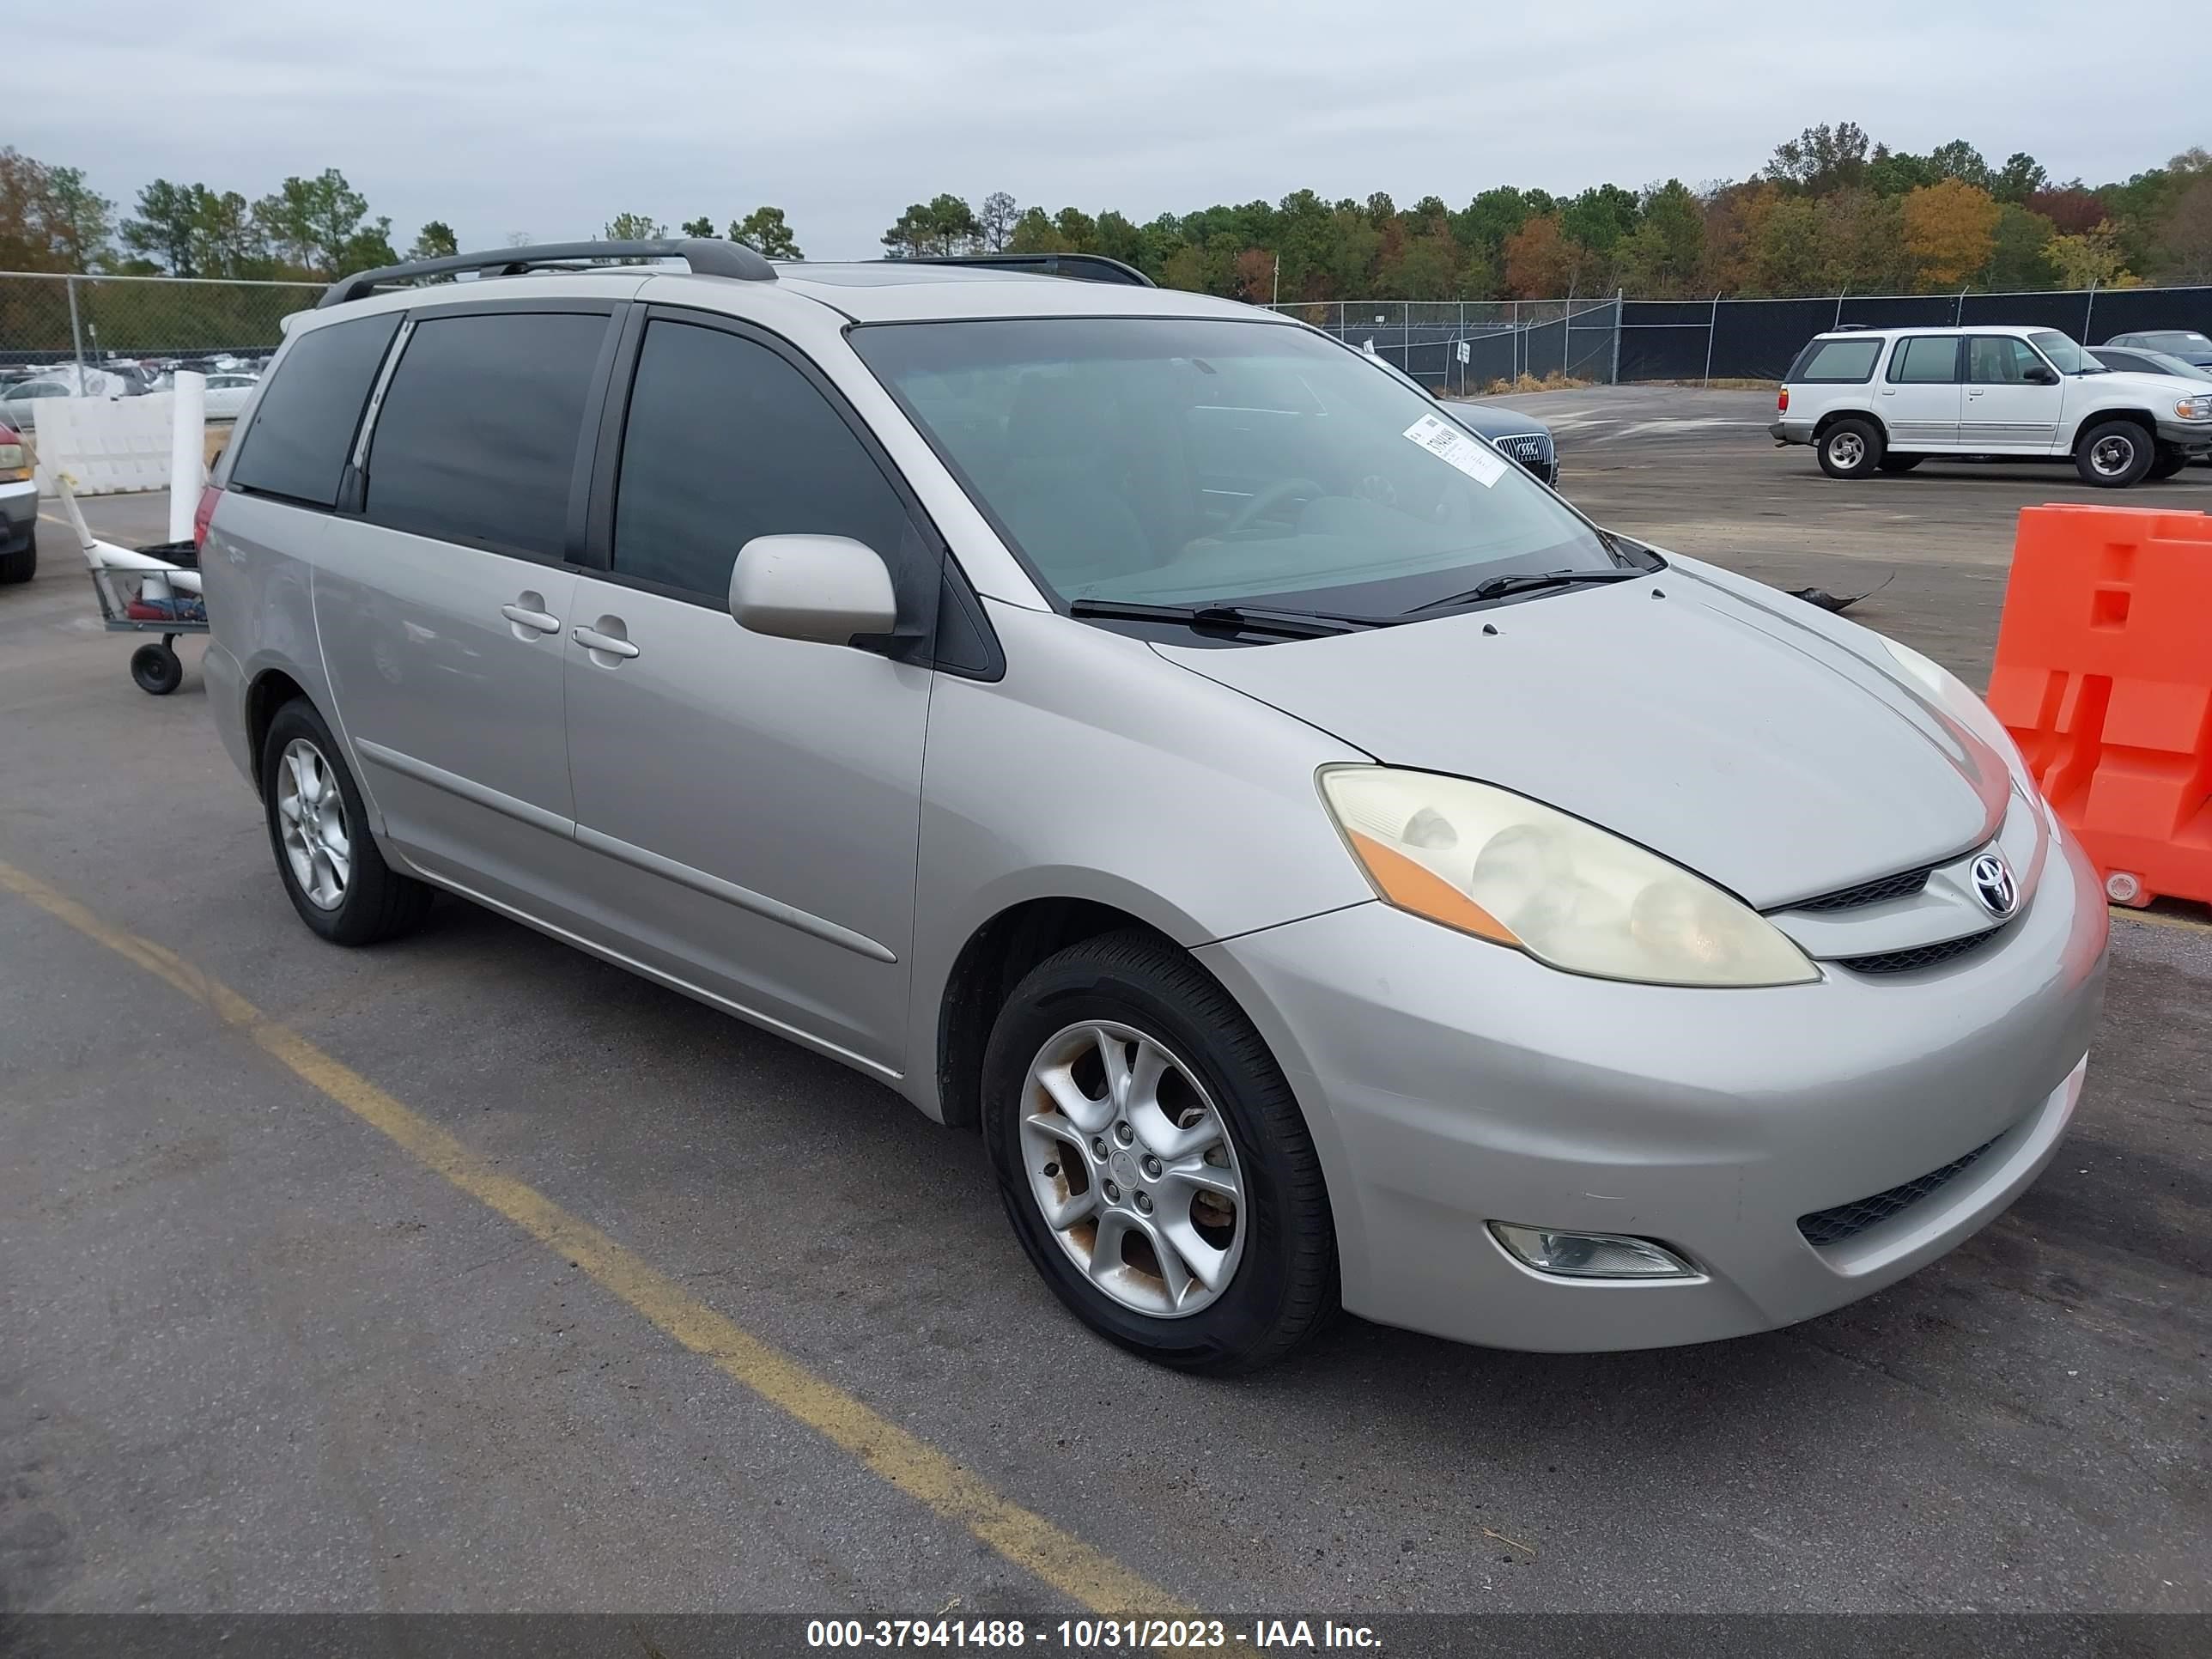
(1083, 267)
(707, 256)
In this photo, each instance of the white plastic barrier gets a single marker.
(187, 451)
(103, 443)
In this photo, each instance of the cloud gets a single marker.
(499, 116)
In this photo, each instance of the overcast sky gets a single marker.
(503, 115)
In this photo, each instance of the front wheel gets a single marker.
(2113, 454)
(1850, 449)
(1152, 1160)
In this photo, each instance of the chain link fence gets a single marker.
(48, 320)
(1462, 348)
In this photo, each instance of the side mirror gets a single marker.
(2040, 374)
(823, 588)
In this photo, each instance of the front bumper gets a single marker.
(1792, 432)
(1451, 1083)
(19, 514)
(2192, 438)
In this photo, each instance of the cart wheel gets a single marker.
(157, 670)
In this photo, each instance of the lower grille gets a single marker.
(1847, 1221)
(1921, 956)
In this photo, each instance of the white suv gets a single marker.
(1886, 399)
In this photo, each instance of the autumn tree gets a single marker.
(1950, 231)
(766, 233)
(1540, 261)
(2092, 258)
(50, 218)
(2187, 235)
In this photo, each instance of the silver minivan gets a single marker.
(1326, 869)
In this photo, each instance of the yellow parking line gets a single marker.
(1061, 1560)
(2190, 924)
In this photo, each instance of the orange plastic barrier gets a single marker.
(2104, 677)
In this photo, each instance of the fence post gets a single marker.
(1514, 356)
(1712, 327)
(1619, 300)
(76, 335)
(1567, 333)
(1958, 308)
(1839, 323)
(2088, 311)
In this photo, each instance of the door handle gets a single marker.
(613, 644)
(522, 616)
(1974, 392)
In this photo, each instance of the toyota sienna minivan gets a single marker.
(1326, 868)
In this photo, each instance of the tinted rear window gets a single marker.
(1836, 360)
(304, 427)
(477, 438)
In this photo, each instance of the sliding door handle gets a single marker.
(544, 621)
(592, 639)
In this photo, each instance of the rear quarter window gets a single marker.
(1835, 360)
(297, 445)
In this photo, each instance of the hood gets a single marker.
(1495, 421)
(1731, 728)
(2144, 384)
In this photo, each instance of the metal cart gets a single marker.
(147, 602)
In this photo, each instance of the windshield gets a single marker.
(1194, 461)
(2067, 357)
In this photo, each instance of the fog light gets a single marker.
(1590, 1255)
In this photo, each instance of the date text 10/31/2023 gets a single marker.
(1090, 1635)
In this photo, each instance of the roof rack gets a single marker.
(707, 256)
(1083, 267)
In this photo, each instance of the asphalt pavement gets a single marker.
(472, 1272)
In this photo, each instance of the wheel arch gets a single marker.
(1821, 427)
(990, 964)
(269, 692)
(2096, 417)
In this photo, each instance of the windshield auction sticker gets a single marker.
(1455, 448)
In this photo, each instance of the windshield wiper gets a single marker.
(1286, 624)
(1528, 581)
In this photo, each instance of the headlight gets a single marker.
(1957, 701)
(1505, 868)
(2198, 408)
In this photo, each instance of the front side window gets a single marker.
(1197, 461)
(1831, 361)
(1925, 360)
(2000, 360)
(477, 438)
(303, 430)
(2067, 357)
(726, 440)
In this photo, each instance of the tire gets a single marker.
(358, 899)
(22, 564)
(1899, 463)
(1220, 1108)
(157, 670)
(1852, 449)
(2169, 462)
(2113, 454)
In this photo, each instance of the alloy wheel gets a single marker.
(2112, 456)
(1133, 1168)
(311, 817)
(1846, 449)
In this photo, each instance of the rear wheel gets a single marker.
(1851, 448)
(319, 827)
(1899, 463)
(2170, 461)
(1152, 1160)
(2113, 454)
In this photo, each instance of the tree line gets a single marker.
(1832, 211)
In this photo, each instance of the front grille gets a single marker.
(1846, 1221)
(1903, 884)
(1528, 450)
(1921, 956)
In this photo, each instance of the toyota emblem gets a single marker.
(1994, 885)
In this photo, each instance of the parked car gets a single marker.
(19, 509)
(19, 404)
(226, 395)
(2185, 343)
(2138, 360)
(1323, 864)
(1516, 434)
(1886, 399)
